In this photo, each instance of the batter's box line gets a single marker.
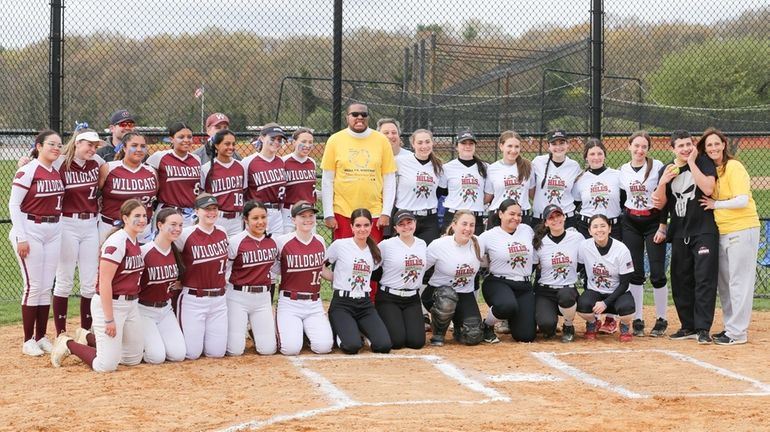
(341, 400)
(550, 359)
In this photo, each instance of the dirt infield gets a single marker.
(648, 384)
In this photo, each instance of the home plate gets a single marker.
(522, 377)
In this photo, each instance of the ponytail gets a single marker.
(648, 169)
(481, 166)
(374, 249)
(540, 232)
(547, 165)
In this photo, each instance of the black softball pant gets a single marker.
(514, 301)
(350, 317)
(623, 306)
(547, 303)
(638, 234)
(694, 271)
(403, 318)
(427, 228)
(467, 306)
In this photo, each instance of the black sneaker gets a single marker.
(717, 335)
(703, 337)
(723, 339)
(489, 334)
(659, 329)
(683, 334)
(638, 327)
(568, 333)
(437, 340)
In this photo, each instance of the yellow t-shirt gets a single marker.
(359, 163)
(733, 180)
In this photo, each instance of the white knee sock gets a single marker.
(490, 319)
(637, 292)
(661, 301)
(568, 314)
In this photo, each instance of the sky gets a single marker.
(25, 22)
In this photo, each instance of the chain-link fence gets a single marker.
(445, 65)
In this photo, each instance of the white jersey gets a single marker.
(559, 261)
(415, 184)
(510, 255)
(403, 266)
(465, 185)
(503, 182)
(604, 271)
(600, 194)
(353, 266)
(558, 186)
(454, 265)
(639, 191)
(403, 153)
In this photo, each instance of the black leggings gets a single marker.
(403, 319)
(467, 306)
(547, 303)
(514, 301)
(349, 317)
(638, 234)
(624, 305)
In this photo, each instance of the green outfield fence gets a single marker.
(592, 67)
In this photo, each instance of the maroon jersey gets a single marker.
(81, 181)
(160, 271)
(127, 254)
(204, 256)
(226, 182)
(301, 263)
(123, 184)
(251, 259)
(45, 189)
(266, 179)
(179, 178)
(300, 180)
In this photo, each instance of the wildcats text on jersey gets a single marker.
(176, 172)
(303, 262)
(260, 256)
(163, 273)
(210, 252)
(79, 178)
(131, 186)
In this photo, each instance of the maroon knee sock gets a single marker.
(60, 314)
(85, 313)
(41, 324)
(83, 352)
(91, 340)
(28, 317)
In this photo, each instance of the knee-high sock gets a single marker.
(60, 314)
(568, 314)
(85, 313)
(83, 352)
(41, 323)
(490, 319)
(28, 317)
(637, 292)
(661, 301)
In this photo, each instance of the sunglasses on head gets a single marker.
(359, 114)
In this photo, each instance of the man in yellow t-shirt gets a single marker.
(358, 172)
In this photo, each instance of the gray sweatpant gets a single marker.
(737, 275)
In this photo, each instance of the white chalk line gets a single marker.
(720, 370)
(523, 377)
(333, 393)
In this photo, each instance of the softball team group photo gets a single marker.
(185, 253)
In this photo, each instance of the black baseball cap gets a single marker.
(403, 215)
(466, 135)
(120, 116)
(302, 206)
(205, 200)
(557, 134)
(551, 209)
(273, 131)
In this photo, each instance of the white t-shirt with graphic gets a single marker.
(510, 255)
(503, 182)
(639, 191)
(454, 265)
(403, 266)
(558, 186)
(559, 261)
(465, 185)
(604, 271)
(353, 266)
(415, 184)
(599, 194)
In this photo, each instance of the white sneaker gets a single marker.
(81, 336)
(60, 350)
(502, 327)
(45, 345)
(31, 348)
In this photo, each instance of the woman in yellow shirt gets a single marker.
(736, 216)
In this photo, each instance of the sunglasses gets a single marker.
(359, 114)
(126, 124)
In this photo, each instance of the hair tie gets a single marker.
(80, 126)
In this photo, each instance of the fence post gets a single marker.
(597, 65)
(337, 68)
(55, 67)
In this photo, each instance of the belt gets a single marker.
(153, 304)
(613, 221)
(43, 219)
(205, 293)
(300, 295)
(109, 221)
(127, 297)
(272, 206)
(228, 215)
(566, 215)
(428, 212)
(513, 278)
(641, 213)
(557, 286)
(252, 288)
(351, 294)
(83, 216)
(398, 292)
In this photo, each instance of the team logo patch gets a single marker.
(518, 254)
(630, 265)
(423, 185)
(19, 175)
(512, 187)
(638, 194)
(361, 273)
(555, 187)
(109, 250)
(601, 276)
(469, 188)
(463, 275)
(600, 195)
(413, 266)
(703, 250)
(560, 264)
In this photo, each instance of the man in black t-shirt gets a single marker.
(693, 235)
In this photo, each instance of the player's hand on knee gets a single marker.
(23, 249)
(599, 307)
(110, 329)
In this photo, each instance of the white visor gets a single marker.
(88, 136)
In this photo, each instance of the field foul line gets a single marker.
(523, 377)
(341, 400)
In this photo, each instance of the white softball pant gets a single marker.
(39, 267)
(274, 221)
(297, 316)
(128, 344)
(232, 226)
(79, 248)
(204, 324)
(254, 308)
(163, 339)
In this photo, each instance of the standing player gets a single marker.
(179, 172)
(456, 259)
(599, 190)
(79, 168)
(510, 177)
(126, 178)
(351, 312)
(300, 309)
(202, 308)
(508, 289)
(644, 230)
(464, 181)
(117, 324)
(555, 175)
(224, 177)
(35, 206)
(267, 176)
(251, 256)
(398, 299)
(163, 339)
(300, 176)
